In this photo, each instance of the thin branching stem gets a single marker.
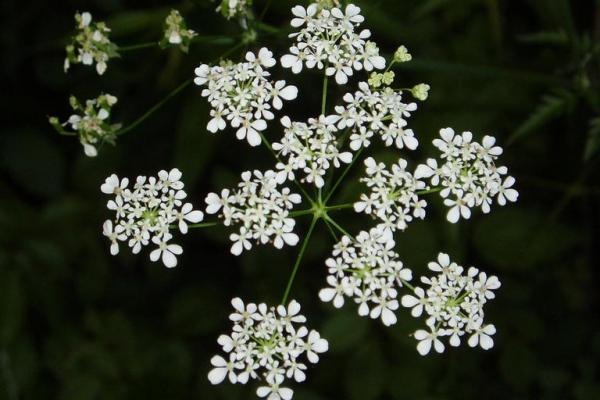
(337, 226)
(158, 105)
(205, 224)
(341, 178)
(429, 191)
(324, 95)
(298, 260)
(169, 96)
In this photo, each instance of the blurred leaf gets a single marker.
(428, 7)
(33, 161)
(365, 373)
(551, 107)
(194, 145)
(593, 139)
(344, 329)
(545, 38)
(522, 232)
(129, 22)
(12, 305)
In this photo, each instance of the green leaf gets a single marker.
(428, 7)
(551, 107)
(545, 38)
(11, 307)
(593, 139)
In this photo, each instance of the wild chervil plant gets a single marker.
(271, 344)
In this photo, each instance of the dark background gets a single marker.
(76, 323)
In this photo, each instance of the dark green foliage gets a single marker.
(78, 324)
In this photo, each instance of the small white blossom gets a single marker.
(268, 344)
(90, 44)
(311, 148)
(370, 112)
(144, 214)
(176, 32)
(467, 174)
(242, 96)
(367, 270)
(329, 39)
(259, 208)
(234, 8)
(453, 301)
(393, 197)
(91, 122)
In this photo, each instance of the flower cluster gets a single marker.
(144, 214)
(371, 112)
(467, 174)
(176, 32)
(310, 147)
(368, 270)
(243, 95)
(454, 304)
(394, 198)
(90, 122)
(328, 40)
(260, 210)
(91, 44)
(268, 344)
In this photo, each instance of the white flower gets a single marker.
(235, 9)
(368, 270)
(145, 213)
(242, 95)
(467, 174)
(453, 301)
(91, 43)
(260, 210)
(393, 197)
(188, 214)
(426, 339)
(377, 112)
(91, 123)
(274, 391)
(223, 369)
(267, 344)
(311, 148)
(483, 337)
(176, 32)
(329, 39)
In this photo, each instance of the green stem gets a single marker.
(341, 178)
(264, 11)
(170, 96)
(205, 224)
(408, 285)
(215, 39)
(330, 229)
(139, 46)
(335, 224)
(301, 212)
(339, 207)
(298, 260)
(324, 95)
(429, 191)
(155, 107)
